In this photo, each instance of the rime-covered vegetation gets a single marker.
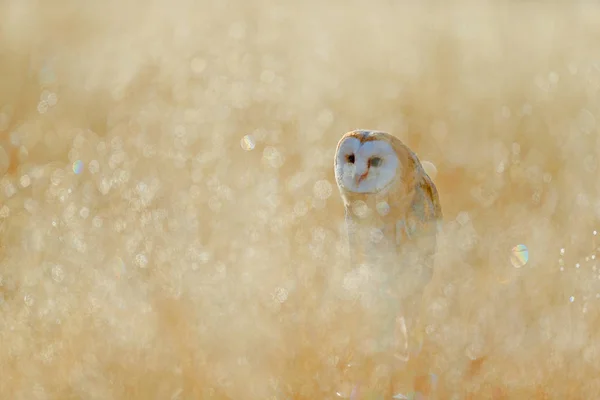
(170, 226)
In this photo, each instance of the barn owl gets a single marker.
(391, 204)
(392, 212)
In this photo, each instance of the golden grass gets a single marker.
(177, 265)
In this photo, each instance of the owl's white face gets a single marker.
(367, 167)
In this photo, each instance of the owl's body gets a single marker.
(393, 215)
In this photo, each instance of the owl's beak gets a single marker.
(362, 177)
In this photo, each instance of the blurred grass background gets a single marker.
(178, 265)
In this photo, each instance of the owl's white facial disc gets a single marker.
(365, 167)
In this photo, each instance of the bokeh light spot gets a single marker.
(322, 189)
(78, 167)
(383, 208)
(430, 169)
(248, 143)
(273, 157)
(519, 256)
(25, 181)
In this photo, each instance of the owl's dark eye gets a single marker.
(375, 162)
(350, 158)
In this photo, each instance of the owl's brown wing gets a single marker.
(424, 211)
(428, 210)
(432, 196)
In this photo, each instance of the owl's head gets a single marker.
(367, 161)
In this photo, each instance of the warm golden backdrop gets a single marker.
(178, 265)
